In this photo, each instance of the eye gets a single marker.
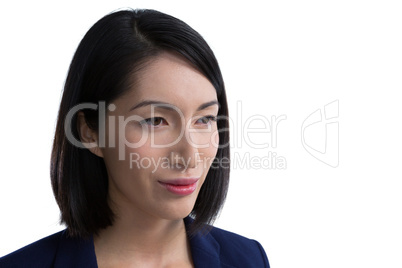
(207, 119)
(154, 121)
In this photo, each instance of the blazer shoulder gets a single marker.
(38, 254)
(239, 250)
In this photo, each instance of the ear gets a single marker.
(88, 136)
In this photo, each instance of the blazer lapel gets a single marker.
(204, 248)
(205, 251)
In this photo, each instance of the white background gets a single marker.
(278, 58)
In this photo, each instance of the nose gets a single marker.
(184, 154)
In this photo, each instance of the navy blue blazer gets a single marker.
(218, 248)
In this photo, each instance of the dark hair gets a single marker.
(114, 48)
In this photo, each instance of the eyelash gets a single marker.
(210, 118)
(148, 121)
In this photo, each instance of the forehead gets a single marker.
(170, 78)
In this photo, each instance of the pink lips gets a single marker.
(180, 186)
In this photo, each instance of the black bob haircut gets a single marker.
(113, 50)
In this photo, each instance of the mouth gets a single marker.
(184, 186)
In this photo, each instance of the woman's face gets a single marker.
(161, 139)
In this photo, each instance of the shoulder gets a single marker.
(38, 254)
(238, 249)
(57, 250)
(221, 248)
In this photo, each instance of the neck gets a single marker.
(139, 238)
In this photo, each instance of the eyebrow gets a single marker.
(168, 106)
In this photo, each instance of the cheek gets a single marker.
(204, 138)
(133, 136)
(214, 142)
(215, 139)
(209, 152)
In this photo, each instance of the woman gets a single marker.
(140, 157)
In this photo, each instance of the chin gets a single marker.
(178, 210)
